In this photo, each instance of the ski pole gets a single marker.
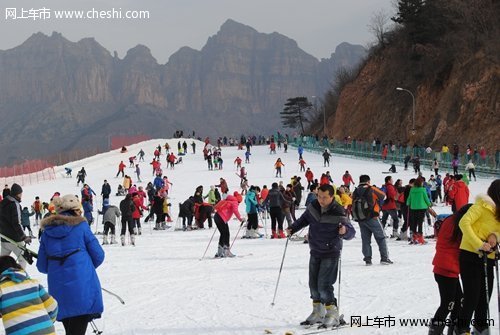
(498, 283)
(340, 277)
(114, 295)
(209, 242)
(237, 233)
(265, 221)
(281, 268)
(485, 261)
(95, 330)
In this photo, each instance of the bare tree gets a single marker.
(379, 27)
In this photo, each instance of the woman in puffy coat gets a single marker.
(479, 224)
(224, 211)
(69, 253)
(447, 270)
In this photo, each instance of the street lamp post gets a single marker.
(413, 103)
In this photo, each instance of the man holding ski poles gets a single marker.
(10, 225)
(328, 226)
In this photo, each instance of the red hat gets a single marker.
(238, 196)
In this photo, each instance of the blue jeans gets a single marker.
(322, 276)
(369, 227)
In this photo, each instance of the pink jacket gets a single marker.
(227, 211)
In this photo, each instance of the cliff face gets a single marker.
(455, 80)
(68, 95)
(464, 109)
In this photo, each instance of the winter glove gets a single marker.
(27, 240)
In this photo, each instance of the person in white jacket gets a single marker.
(472, 169)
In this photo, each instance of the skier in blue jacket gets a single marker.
(69, 253)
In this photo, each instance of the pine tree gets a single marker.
(423, 20)
(409, 12)
(296, 113)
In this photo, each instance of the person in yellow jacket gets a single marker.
(166, 210)
(127, 183)
(480, 228)
(346, 200)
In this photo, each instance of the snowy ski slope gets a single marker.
(168, 290)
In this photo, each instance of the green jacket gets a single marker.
(418, 198)
(212, 199)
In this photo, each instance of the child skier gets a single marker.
(25, 305)
(25, 220)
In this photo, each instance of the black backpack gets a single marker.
(361, 208)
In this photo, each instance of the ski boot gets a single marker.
(248, 234)
(220, 252)
(105, 240)
(132, 240)
(436, 327)
(483, 332)
(227, 252)
(274, 235)
(403, 236)
(281, 234)
(122, 238)
(332, 318)
(113, 240)
(316, 316)
(254, 233)
(139, 230)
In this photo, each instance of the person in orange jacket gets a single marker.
(278, 165)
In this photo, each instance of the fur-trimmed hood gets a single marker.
(485, 201)
(59, 219)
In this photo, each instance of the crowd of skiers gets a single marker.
(460, 237)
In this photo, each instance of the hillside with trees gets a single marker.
(445, 54)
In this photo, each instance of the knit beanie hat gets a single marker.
(15, 190)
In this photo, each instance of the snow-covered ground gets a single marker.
(168, 290)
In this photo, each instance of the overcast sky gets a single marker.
(317, 25)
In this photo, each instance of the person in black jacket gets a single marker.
(186, 212)
(127, 207)
(106, 190)
(275, 201)
(328, 226)
(157, 209)
(5, 191)
(10, 224)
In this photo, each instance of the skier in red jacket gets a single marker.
(447, 269)
(458, 194)
(121, 169)
(347, 180)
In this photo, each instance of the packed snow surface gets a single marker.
(168, 290)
